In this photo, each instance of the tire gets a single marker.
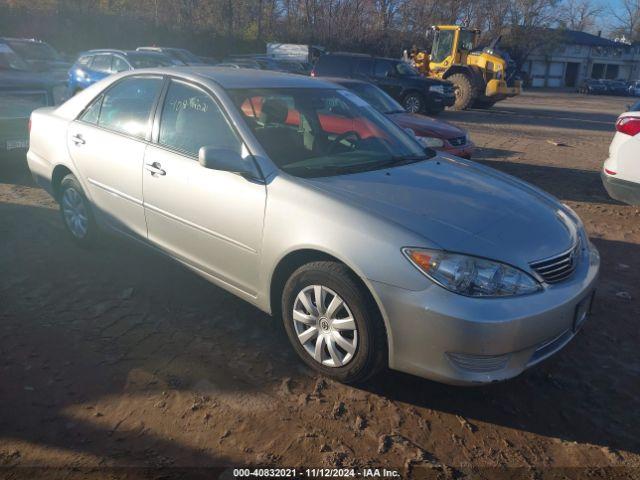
(466, 91)
(413, 102)
(75, 210)
(370, 346)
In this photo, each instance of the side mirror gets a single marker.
(390, 73)
(226, 160)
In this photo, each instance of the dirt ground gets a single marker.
(119, 357)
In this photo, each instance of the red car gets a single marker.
(432, 133)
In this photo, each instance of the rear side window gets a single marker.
(192, 119)
(338, 65)
(101, 63)
(127, 106)
(92, 113)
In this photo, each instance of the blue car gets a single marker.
(95, 65)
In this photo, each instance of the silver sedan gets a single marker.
(297, 196)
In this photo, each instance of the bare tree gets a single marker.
(580, 15)
(627, 19)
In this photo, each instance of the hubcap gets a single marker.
(412, 104)
(75, 212)
(325, 326)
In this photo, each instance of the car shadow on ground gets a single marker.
(75, 312)
(564, 183)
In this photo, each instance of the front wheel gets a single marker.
(413, 102)
(76, 212)
(465, 90)
(332, 323)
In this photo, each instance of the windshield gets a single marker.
(442, 45)
(324, 132)
(141, 60)
(35, 50)
(376, 98)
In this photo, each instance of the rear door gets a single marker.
(107, 144)
(208, 218)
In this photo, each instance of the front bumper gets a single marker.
(499, 88)
(450, 338)
(621, 190)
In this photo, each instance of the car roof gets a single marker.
(359, 55)
(250, 78)
(345, 81)
(121, 52)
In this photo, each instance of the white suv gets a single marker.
(621, 172)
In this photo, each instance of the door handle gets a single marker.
(155, 168)
(78, 140)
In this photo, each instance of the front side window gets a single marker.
(127, 106)
(383, 67)
(406, 70)
(101, 63)
(192, 119)
(119, 65)
(322, 132)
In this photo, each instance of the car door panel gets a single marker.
(208, 218)
(107, 144)
(211, 219)
(116, 191)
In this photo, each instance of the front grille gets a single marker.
(449, 90)
(457, 141)
(479, 363)
(558, 268)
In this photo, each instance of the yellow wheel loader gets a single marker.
(481, 76)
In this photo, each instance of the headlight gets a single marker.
(59, 94)
(80, 74)
(471, 276)
(437, 89)
(430, 142)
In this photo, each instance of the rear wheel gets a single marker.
(76, 212)
(332, 323)
(465, 90)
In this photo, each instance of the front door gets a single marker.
(210, 219)
(107, 144)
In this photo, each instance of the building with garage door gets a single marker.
(575, 56)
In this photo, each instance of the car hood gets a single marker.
(425, 126)
(462, 207)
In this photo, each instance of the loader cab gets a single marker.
(451, 45)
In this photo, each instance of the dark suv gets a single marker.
(417, 94)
